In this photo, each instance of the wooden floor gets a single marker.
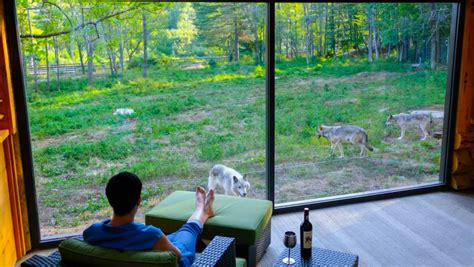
(435, 229)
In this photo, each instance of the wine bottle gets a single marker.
(306, 235)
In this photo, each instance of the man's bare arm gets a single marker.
(164, 244)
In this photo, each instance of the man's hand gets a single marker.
(164, 244)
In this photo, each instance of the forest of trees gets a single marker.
(124, 36)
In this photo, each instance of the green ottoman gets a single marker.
(247, 220)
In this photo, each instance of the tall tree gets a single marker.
(33, 56)
(56, 54)
(307, 22)
(145, 45)
(46, 49)
(370, 38)
(434, 17)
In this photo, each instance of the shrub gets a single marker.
(259, 71)
(212, 63)
(164, 59)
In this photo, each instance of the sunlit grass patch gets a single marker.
(187, 120)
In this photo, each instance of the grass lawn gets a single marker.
(186, 121)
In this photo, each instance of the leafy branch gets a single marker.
(79, 27)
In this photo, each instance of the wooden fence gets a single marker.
(67, 69)
(76, 68)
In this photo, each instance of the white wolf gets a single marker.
(405, 120)
(338, 135)
(228, 179)
(124, 111)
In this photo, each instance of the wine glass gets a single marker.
(290, 242)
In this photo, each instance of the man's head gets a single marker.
(123, 192)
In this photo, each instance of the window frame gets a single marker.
(451, 101)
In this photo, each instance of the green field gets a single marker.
(186, 121)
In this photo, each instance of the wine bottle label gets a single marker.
(307, 239)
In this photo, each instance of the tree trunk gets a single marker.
(295, 39)
(311, 31)
(89, 51)
(307, 22)
(112, 51)
(70, 50)
(236, 40)
(56, 53)
(437, 52)
(111, 63)
(108, 50)
(133, 51)
(416, 54)
(81, 57)
(371, 33)
(145, 46)
(376, 44)
(121, 48)
(351, 29)
(399, 52)
(255, 32)
(326, 43)
(33, 57)
(320, 39)
(406, 47)
(434, 37)
(47, 65)
(280, 46)
(332, 31)
(288, 40)
(90, 65)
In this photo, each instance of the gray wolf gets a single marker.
(338, 135)
(228, 179)
(405, 121)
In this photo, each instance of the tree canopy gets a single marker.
(129, 35)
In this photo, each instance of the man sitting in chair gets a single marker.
(122, 233)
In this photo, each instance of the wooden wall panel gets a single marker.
(463, 161)
(14, 211)
(8, 252)
(14, 157)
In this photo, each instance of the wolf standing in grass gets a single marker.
(405, 120)
(228, 179)
(338, 135)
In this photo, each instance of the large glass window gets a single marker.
(168, 90)
(360, 95)
(165, 90)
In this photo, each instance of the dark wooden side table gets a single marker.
(319, 257)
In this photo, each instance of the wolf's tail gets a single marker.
(430, 127)
(369, 147)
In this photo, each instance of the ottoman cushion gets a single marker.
(242, 218)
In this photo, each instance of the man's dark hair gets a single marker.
(123, 191)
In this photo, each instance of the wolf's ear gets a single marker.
(320, 127)
(245, 177)
(390, 117)
(236, 180)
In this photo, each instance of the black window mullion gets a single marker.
(270, 100)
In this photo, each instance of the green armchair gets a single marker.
(75, 252)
